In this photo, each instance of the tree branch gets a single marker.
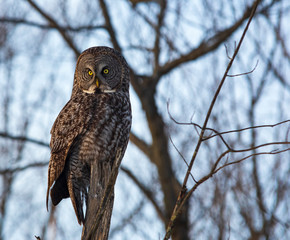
(17, 169)
(146, 192)
(182, 196)
(244, 129)
(109, 26)
(142, 145)
(249, 156)
(211, 44)
(156, 49)
(44, 26)
(219, 134)
(24, 139)
(53, 23)
(214, 171)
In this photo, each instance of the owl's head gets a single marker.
(101, 70)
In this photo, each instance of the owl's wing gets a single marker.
(67, 126)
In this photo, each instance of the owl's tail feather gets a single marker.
(76, 196)
(59, 190)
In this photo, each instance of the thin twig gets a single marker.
(243, 129)
(227, 52)
(180, 154)
(247, 150)
(249, 156)
(245, 73)
(217, 133)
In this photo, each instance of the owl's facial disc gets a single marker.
(87, 79)
(101, 73)
(104, 75)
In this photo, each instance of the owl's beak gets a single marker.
(97, 83)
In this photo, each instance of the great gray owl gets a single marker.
(91, 128)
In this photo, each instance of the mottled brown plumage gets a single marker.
(91, 128)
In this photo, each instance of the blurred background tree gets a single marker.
(177, 52)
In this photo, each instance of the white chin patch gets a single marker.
(108, 90)
(90, 90)
(105, 89)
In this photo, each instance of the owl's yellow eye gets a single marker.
(90, 72)
(105, 70)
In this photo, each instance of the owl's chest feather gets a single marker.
(107, 129)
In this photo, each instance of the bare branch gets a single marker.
(244, 129)
(142, 145)
(17, 21)
(146, 192)
(246, 73)
(206, 46)
(156, 50)
(23, 139)
(18, 169)
(197, 126)
(109, 26)
(247, 150)
(217, 133)
(180, 154)
(251, 155)
(128, 220)
(227, 52)
(52, 22)
(182, 197)
(214, 171)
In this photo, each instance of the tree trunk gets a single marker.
(100, 176)
(161, 158)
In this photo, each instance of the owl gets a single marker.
(91, 128)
